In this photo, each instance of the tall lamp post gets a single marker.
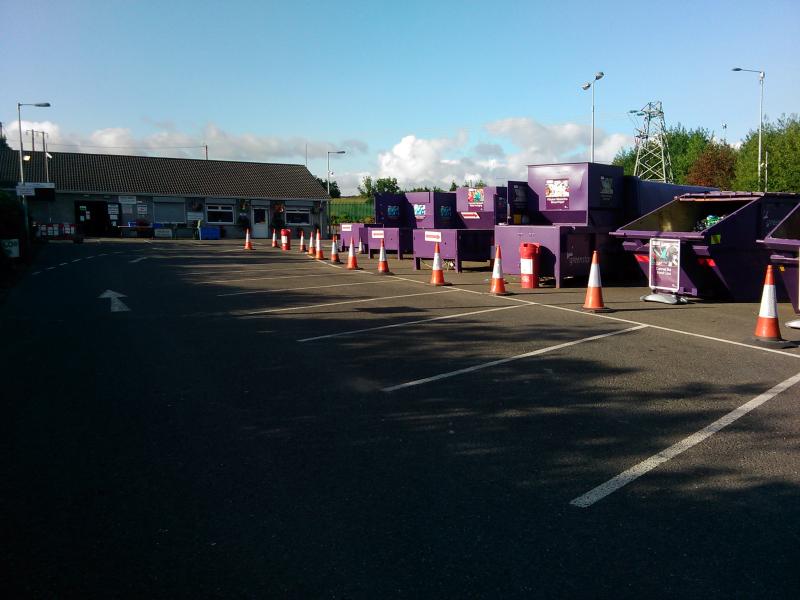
(329, 166)
(21, 167)
(586, 86)
(760, 114)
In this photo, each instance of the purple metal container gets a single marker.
(783, 242)
(718, 233)
(357, 231)
(395, 239)
(482, 208)
(394, 210)
(433, 210)
(457, 245)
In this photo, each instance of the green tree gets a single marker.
(714, 167)
(335, 193)
(685, 145)
(476, 184)
(453, 186)
(782, 140)
(382, 185)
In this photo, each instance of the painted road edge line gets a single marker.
(502, 361)
(624, 478)
(404, 323)
(274, 310)
(312, 287)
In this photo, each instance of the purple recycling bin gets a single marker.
(458, 245)
(705, 245)
(783, 244)
(481, 208)
(395, 239)
(358, 232)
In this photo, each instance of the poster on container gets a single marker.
(556, 194)
(665, 264)
(419, 211)
(393, 211)
(475, 198)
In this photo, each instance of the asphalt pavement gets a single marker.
(188, 419)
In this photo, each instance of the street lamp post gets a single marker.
(329, 166)
(586, 86)
(21, 167)
(760, 113)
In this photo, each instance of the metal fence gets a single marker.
(350, 212)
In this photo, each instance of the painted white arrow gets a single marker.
(117, 305)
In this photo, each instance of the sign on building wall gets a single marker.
(11, 248)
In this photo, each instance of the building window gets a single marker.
(219, 214)
(298, 216)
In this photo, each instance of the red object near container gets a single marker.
(529, 265)
(286, 243)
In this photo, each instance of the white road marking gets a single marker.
(35, 272)
(658, 327)
(117, 305)
(231, 272)
(312, 287)
(136, 260)
(50, 268)
(261, 278)
(405, 323)
(274, 310)
(624, 478)
(89, 257)
(502, 361)
(61, 264)
(76, 260)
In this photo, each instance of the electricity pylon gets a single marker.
(652, 151)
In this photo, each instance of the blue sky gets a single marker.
(423, 91)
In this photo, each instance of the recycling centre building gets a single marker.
(139, 196)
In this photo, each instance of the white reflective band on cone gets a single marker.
(526, 266)
(497, 272)
(437, 262)
(382, 256)
(768, 303)
(594, 276)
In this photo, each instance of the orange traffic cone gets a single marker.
(352, 261)
(594, 291)
(312, 245)
(248, 245)
(303, 241)
(767, 328)
(319, 255)
(383, 264)
(437, 274)
(274, 238)
(498, 287)
(335, 251)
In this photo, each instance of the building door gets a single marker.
(92, 219)
(259, 221)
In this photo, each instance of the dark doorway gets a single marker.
(91, 217)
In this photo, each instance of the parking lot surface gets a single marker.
(261, 424)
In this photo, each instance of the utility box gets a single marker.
(433, 210)
(705, 245)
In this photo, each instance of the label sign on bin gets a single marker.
(665, 264)
(433, 236)
(347, 227)
(376, 234)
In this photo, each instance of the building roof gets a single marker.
(134, 175)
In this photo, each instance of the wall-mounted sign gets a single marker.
(475, 197)
(433, 236)
(470, 215)
(194, 215)
(665, 264)
(141, 209)
(126, 199)
(393, 210)
(376, 234)
(556, 193)
(445, 211)
(419, 211)
(11, 248)
(606, 189)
